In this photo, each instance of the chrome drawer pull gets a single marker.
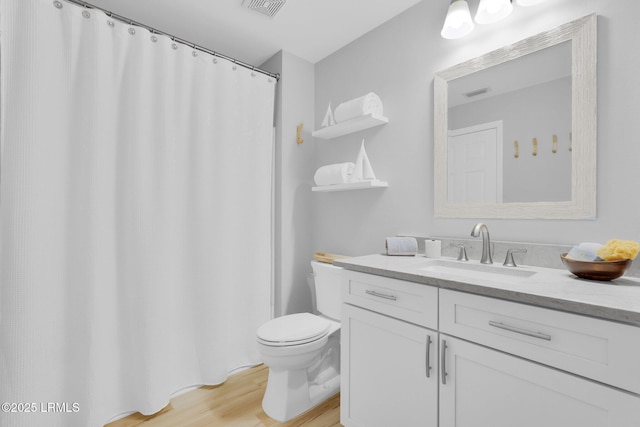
(379, 295)
(428, 362)
(443, 359)
(539, 335)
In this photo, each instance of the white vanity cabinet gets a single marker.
(389, 365)
(485, 387)
(486, 384)
(494, 363)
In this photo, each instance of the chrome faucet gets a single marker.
(486, 242)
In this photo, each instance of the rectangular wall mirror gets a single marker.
(515, 129)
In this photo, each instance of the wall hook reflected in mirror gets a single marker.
(554, 148)
(516, 152)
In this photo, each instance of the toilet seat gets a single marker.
(293, 329)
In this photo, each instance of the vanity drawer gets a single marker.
(602, 350)
(412, 302)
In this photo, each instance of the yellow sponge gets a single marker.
(619, 250)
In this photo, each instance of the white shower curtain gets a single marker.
(135, 199)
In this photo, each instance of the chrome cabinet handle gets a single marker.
(379, 295)
(443, 360)
(509, 328)
(428, 361)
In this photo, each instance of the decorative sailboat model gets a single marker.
(363, 171)
(328, 120)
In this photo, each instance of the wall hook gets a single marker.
(535, 147)
(554, 148)
(299, 139)
(516, 148)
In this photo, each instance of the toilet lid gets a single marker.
(292, 329)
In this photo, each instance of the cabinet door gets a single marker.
(485, 387)
(384, 366)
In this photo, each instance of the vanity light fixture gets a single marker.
(458, 22)
(490, 11)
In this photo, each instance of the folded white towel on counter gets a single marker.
(586, 251)
(401, 246)
(339, 173)
(591, 247)
(367, 104)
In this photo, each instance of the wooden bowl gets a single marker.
(596, 270)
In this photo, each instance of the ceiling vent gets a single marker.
(266, 7)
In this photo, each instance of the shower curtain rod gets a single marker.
(174, 38)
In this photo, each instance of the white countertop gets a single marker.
(617, 300)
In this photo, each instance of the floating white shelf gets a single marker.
(363, 185)
(350, 126)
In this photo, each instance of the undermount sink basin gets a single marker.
(475, 270)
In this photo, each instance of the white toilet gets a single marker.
(302, 351)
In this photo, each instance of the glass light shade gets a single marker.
(490, 11)
(527, 3)
(458, 22)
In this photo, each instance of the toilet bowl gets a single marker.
(302, 351)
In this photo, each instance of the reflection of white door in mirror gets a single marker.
(475, 164)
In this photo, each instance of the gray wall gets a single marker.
(398, 61)
(294, 216)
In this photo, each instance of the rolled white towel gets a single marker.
(367, 104)
(339, 173)
(401, 246)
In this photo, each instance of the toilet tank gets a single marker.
(328, 286)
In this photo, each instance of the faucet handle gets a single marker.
(462, 255)
(509, 261)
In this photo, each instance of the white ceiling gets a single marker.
(310, 29)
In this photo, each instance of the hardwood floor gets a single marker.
(236, 403)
